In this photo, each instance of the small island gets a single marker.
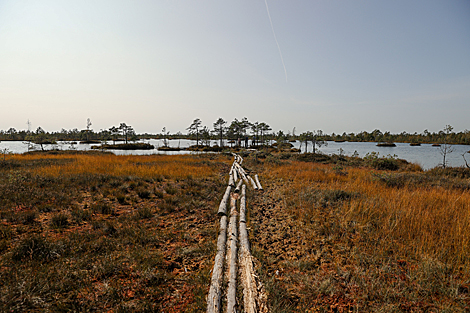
(386, 144)
(164, 148)
(90, 142)
(126, 146)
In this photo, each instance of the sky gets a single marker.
(338, 66)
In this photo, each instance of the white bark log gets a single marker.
(243, 205)
(257, 182)
(231, 182)
(254, 294)
(252, 182)
(237, 189)
(240, 169)
(235, 175)
(215, 292)
(223, 203)
(232, 274)
(242, 173)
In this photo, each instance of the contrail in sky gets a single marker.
(277, 43)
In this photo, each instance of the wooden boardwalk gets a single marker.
(233, 262)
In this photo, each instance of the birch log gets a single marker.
(255, 187)
(235, 175)
(240, 168)
(237, 189)
(232, 274)
(254, 295)
(243, 205)
(242, 173)
(231, 182)
(215, 293)
(258, 183)
(246, 264)
(223, 203)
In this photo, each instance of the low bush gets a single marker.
(382, 163)
(59, 220)
(143, 193)
(144, 212)
(121, 198)
(37, 248)
(104, 208)
(171, 190)
(79, 215)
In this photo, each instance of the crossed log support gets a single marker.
(234, 248)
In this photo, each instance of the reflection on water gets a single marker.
(425, 155)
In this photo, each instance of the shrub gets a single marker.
(158, 194)
(144, 212)
(167, 207)
(313, 157)
(274, 160)
(25, 217)
(143, 193)
(104, 208)
(5, 232)
(59, 220)
(389, 162)
(171, 190)
(80, 215)
(35, 248)
(106, 227)
(457, 172)
(121, 199)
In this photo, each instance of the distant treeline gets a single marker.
(424, 137)
(259, 133)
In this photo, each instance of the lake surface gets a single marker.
(425, 155)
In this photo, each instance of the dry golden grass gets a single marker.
(424, 220)
(99, 232)
(180, 166)
(349, 238)
(328, 237)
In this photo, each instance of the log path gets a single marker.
(233, 260)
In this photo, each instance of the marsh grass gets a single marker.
(99, 232)
(367, 239)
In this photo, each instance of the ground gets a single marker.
(99, 232)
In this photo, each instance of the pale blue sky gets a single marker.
(351, 65)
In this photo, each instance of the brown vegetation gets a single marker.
(338, 237)
(106, 233)
(99, 232)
